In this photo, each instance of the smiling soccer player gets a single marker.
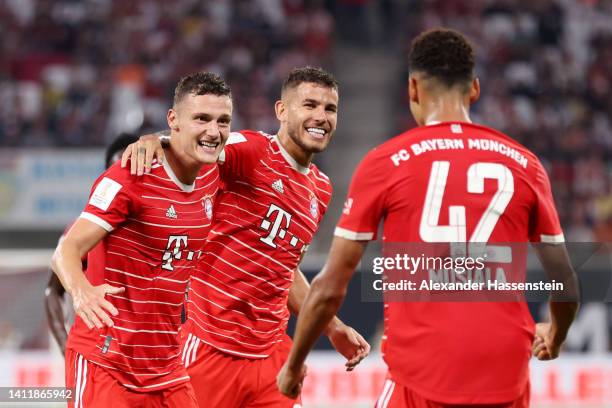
(124, 349)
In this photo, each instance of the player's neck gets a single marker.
(450, 108)
(186, 174)
(302, 157)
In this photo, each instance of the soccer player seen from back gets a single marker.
(452, 190)
(124, 349)
(270, 204)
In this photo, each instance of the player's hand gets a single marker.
(290, 382)
(348, 342)
(142, 153)
(545, 347)
(90, 304)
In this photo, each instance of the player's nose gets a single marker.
(319, 115)
(213, 129)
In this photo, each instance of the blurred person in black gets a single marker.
(56, 306)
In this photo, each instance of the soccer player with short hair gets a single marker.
(269, 207)
(59, 314)
(445, 353)
(124, 349)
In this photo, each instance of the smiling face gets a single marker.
(200, 126)
(309, 114)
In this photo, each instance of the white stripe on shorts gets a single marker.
(84, 381)
(385, 396)
(78, 368)
(195, 350)
(185, 348)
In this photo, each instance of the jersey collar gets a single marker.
(188, 188)
(297, 166)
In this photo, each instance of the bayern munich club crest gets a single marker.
(314, 207)
(208, 207)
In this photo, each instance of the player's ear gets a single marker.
(413, 92)
(474, 90)
(281, 110)
(172, 120)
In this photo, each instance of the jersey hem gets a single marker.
(448, 397)
(235, 353)
(111, 370)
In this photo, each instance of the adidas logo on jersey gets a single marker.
(171, 213)
(278, 186)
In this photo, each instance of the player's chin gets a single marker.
(315, 145)
(206, 155)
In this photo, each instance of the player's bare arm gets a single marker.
(54, 293)
(563, 307)
(143, 151)
(346, 340)
(88, 300)
(326, 294)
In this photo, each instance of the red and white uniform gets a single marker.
(453, 182)
(157, 228)
(268, 209)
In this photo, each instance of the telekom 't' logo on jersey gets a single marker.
(174, 251)
(277, 222)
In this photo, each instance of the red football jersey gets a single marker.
(157, 229)
(454, 182)
(267, 211)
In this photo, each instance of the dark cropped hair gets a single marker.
(118, 145)
(443, 54)
(309, 74)
(201, 83)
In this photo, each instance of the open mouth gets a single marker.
(317, 133)
(210, 146)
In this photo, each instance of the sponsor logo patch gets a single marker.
(105, 193)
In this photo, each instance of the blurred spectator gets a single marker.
(76, 73)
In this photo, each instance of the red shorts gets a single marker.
(395, 395)
(95, 387)
(222, 380)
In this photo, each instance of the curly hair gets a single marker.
(201, 83)
(309, 74)
(443, 54)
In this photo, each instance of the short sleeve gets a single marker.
(364, 206)
(110, 201)
(240, 155)
(544, 224)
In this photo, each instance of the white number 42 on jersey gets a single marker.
(455, 233)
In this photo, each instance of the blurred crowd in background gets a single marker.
(545, 69)
(76, 73)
